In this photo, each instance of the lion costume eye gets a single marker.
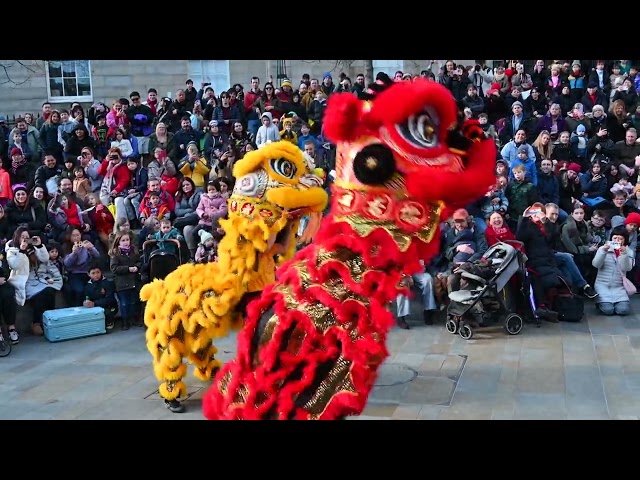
(421, 129)
(284, 167)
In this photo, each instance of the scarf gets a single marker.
(124, 251)
(72, 214)
(498, 77)
(153, 106)
(554, 81)
(540, 225)
(16, 164)
(105, 189)
(500, 230)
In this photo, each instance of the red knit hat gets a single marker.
(574, 167)
(633, 217)
(15, 151)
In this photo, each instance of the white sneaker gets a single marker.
(14, 337)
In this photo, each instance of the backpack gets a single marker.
(570, 307)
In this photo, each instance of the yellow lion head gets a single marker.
(273, 182)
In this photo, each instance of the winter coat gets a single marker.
(215, 208)
(123, 278)
(608, 284)
(21, 269)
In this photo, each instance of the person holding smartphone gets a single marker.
(457, 81)
(613, 262)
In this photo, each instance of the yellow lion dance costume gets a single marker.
(197, 303)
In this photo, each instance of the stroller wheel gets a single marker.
(466, 332)
(513, 324)
(451, 326)
(5, 343)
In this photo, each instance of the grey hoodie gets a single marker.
(269, 133)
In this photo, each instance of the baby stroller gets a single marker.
(484, 301)
(159, 262)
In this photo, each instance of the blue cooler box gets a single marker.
(75, 322)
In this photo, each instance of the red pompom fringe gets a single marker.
(269, 389)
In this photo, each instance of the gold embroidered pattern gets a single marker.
(364, 226)
(338, 382)
(223, 386)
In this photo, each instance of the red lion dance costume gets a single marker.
(313, 341)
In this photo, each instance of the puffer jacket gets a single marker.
(188, 205)
(214, 208)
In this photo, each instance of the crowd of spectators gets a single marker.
(82, 189)
(566, 179)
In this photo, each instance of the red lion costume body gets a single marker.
(313, 341)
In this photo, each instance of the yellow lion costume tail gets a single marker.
(195, 304)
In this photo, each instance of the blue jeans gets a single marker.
(424, 282)
(569, 269)
(618, 308)
(75, 288)
(132, 206)
(253, 126)
(129, 302)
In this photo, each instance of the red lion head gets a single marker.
(405, 140)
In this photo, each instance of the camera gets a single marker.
(113, 157)
(206, 84)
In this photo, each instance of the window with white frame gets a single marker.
(215, 72)
(390, 67)
(69, 81)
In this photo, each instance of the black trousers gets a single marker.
(43, 301)
(8, 303)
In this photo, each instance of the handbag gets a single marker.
(628, 285)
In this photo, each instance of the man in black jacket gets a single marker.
(100, 292)
(141, 119)
(47, 174)
(178, 109)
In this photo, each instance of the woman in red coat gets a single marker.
(115, 180)
(497, 231)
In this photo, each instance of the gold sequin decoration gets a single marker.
(364, 226)
(338, 381)
(295, 341)
(265, 338)
(223, 386)
(241, 395)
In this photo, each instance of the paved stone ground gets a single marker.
(589, 370)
